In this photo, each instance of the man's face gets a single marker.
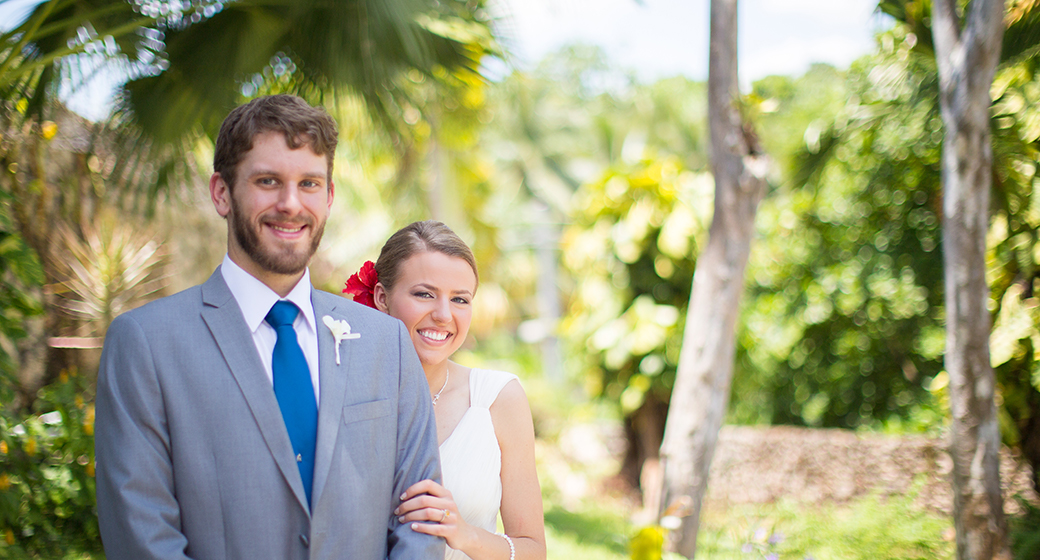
(277, 209)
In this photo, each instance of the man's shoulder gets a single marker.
(184, 302)
(353, 312)
(347, 306)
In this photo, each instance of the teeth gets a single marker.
(286, 230)
(434, 335)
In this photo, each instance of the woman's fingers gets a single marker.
(430, 515)
(424, 487)
(435, 529)
(425, 494)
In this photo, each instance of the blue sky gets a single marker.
(654, 38)
(659, 38)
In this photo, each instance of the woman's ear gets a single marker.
(379, 296)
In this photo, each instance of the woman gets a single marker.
(426, 277)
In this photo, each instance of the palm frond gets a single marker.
(109, 270)
(355, 47)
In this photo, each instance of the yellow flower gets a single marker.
(9, 537)
(49, 129)
(30, 446)
(647, 544)
(88, 421)
(3, 448)
(79, 401)
(5, 482)
(90, 469)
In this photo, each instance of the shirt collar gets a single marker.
(255, 298)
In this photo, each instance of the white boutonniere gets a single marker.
(340, 332)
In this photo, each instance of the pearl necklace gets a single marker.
(447, 375)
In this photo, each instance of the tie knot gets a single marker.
(282, 313)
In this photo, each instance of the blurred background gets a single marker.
(567, 143)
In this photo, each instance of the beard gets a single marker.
(288, 260)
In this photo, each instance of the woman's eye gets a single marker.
(461, 300)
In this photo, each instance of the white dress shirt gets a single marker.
(255, 300)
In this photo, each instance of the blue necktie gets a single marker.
(294, 391)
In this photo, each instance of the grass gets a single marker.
(866, 529)
(584, 520)
(587, 534)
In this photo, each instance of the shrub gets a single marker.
(47, 505)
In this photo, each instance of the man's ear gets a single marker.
(379, 295)
(220, 194)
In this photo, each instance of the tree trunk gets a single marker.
(545, 236)
(702, 386)
(967, 59)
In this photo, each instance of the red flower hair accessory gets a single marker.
(362, 284)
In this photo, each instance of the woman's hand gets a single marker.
(430, 502)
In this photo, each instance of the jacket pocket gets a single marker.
(366, 411)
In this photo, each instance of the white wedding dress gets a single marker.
(471, 460)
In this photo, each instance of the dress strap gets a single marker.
(486, 384)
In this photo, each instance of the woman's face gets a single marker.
(433, 297)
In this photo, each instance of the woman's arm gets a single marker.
(432, 510)
(522, 516)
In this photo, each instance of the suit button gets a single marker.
(306, 542)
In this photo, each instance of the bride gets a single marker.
(426, 276)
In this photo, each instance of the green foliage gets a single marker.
(843, 327)
(47, 507)
(21, 277)
(359, 47)
(1013, 254)
(630, 246)
(857, 336)
(635, 221)
(1024, 531)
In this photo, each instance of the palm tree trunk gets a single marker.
(967, 59)
(705, 371)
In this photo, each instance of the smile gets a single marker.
(434, 335)
(296, 229)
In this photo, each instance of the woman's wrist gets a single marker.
(509, 541)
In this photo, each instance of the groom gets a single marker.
(254, 417)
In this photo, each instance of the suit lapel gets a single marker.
(224, 319)
(333, 380)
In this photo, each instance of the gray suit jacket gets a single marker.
(193, 458)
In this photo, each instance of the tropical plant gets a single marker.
(875, 168)
(47, 507)
(843, 325)
(630, 246)
(110, 270)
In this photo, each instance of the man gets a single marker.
(231, 426)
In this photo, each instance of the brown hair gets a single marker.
(417, 237)
(301, 124)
